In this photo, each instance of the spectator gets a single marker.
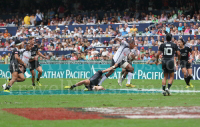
(133, 29)
(1, 35)
(6, 34)
(124, 32)
(127, 28)
(5, 58)
(142, 51)
(146, 57)
(88, 56)
(39, 17)
(187, 30)
(73, 57)
(152, 60)
(105, 52)
(27, 20)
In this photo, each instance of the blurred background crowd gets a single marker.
(86, 39)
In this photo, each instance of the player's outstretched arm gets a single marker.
(40, 54)
(19, 60)
(157, 57)
(107, 70)
(179, 56)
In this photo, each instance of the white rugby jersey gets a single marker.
(122, 52)
(25, 56)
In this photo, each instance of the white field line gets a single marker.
(159, 90)
(162, 116)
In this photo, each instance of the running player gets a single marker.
(186, 62)
(123, 51)
(15, 60)
(92, 83)
(124, 73)
(25, 55)
(168, 49)
(34, 64)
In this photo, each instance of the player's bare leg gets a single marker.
(130, 71)
(105, 77)
(21, 77)
(12, 81)
(83, 82)
(184, 71)
(122, 76)
(190, 76)
(33, 78)
(39, 69)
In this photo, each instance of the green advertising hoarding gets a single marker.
(141, 71)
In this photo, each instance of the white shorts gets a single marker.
(123, 66)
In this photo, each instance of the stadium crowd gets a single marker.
(38, 24)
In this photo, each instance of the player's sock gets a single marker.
(130, 75)
(102, 80)
(73, 86)
(8, 87)
(38, 79)
(123, 78)
(169, 85)
(163, 87)
(33, 84)
(189, 78)
(186, 81)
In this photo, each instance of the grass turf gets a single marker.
(98, 100)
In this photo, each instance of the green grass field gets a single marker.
(98, 100)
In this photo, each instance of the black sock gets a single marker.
(186, 81)
(124, 76)
(38, 79)
(169, 85)
(73, 86)
(8, 87)
(189, 78)
(163, 87)
(9, 79)
(33, 84)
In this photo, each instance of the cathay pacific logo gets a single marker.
(93, 70)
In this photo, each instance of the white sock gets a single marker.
(130, 75)
(102, 80)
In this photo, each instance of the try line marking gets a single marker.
(160, 90)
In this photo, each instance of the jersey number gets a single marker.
(167, 51)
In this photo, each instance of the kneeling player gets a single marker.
(186, 64)
(92, 83)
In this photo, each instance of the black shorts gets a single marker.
(168, 66)
(93, 82)
(90, 87)
(185, 64)
(34, 65)
(14, 67)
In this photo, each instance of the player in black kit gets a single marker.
(15, 61)
(168, 49)
(34, 64)
(92, 83)
(186, 62)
